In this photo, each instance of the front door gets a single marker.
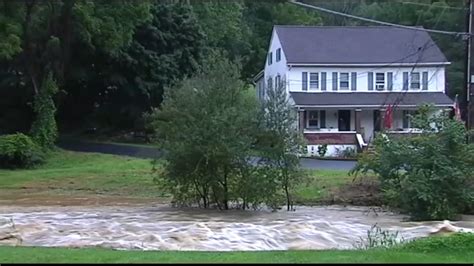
(377, 120)
(344, 120)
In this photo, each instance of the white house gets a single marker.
(342, 79)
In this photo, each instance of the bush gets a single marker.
(428, 175)
(322, 149)
(19, 151)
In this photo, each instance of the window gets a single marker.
(344, 81)
(269, 84)
(407, 118)
(277, 81)
(415, 80)
(278, 55)
(313, 119)
(379, 81)
(314, 80)
(270, 58)
(304, 79)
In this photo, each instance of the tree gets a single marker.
(207, 125)
(120, 88)
(429, 175)
(46, 30)
(44, 129)
(284, 142)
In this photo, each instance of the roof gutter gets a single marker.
(368, 65)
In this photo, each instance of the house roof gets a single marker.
(357, 45)
(370, 99)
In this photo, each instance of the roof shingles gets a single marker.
(357, 45)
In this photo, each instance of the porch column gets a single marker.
(301, 120)
(357, 117)
(382, 119)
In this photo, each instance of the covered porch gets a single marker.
(343, 125)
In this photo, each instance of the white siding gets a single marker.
(275, 68)
(436, 77)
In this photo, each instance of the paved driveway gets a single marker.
(149, 152)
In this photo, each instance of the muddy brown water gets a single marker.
(163, 228)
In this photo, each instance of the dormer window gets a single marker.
(270, 58)
(380, 81)
(344, 81)
(278, 55)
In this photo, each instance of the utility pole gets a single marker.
(470, 70)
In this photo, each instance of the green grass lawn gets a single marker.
(452, 249)
(90, 174)
(73, 173)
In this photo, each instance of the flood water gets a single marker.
(165, 228)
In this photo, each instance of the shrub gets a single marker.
(322, 149)
(19, 151)
(428, 175)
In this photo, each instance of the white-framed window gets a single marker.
(344, 81)
(270, 83)
(415, 80)
(406, 119)
(379, 81)
(278, 55)
(270, 58)
(314, 81)
(313, 119)
(277, 81)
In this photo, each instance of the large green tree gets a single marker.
(119, 88)
(38, 36)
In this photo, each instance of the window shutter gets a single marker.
(305, 81)
(354, 81)
(323, 81)
(334, 81)
(322, 117)
(390, 81)
(405, 119)
(424, 85)
(405, 80)
(370, 81)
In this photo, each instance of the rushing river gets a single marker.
(164, 228)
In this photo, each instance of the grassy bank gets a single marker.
(70, 177)
(453, 249)
(71, 174)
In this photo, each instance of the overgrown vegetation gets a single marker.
(19, 151)
(380, 238)
(428, 175)
(44, 130)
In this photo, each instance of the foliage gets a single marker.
(348, 152)
(44, 129)
(19, 151)
(379, 238)
(428, 175)
(162, 51)
(206, 126)
(322, 149)
(285, 142)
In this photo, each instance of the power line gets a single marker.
(379, 22)
(423, 4)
